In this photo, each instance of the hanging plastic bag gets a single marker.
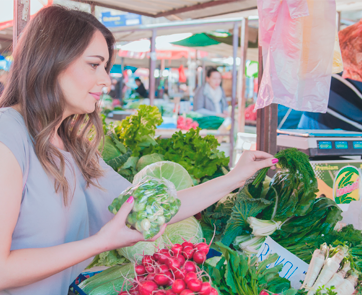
(297, 39)
(155, 203)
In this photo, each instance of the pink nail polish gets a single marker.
(274, 161)
(130, 199)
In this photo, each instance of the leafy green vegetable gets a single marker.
(108, 258)
(296, 162)
(244, 208)
(155, 203)
(198, 155)
(239, 274)
(188, 229)
(137, 132)
(167, 170)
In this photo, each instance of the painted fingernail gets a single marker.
(274, 161)
(130, 199)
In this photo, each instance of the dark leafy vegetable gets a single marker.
(239, 274)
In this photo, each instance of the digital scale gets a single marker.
(317, 143)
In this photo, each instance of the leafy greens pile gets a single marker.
(235, 273)
(130, 145)
(286, 209)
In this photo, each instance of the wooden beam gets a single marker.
(21, 18)
(93, 9)
(116, 7)
(223, 13)
(195, 7)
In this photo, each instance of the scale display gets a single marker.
(357, 144)
(341, 145)
(325, 145)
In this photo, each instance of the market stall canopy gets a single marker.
(193, 26)
(220, 43)
(177, 9)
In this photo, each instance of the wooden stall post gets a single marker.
(21, 18)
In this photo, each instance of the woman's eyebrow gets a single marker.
(99, 56)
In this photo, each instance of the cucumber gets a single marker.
(113, 276)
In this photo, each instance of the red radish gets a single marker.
(176, 249)
(190, 266)
(134, 290)
(169, 292)
(178, 286)
(190, 276)
(187, 292)
(181, 258)
(160, 292)
(150, 277)
(140, 269)
(187, 244)
(173, 263)
(150, 269)
(205, 289)
(162, 268)
(180, 273)
(124, 293)
(141, 278)
(147, 260)
(213, 292)
(264, 293)
(161, 279)
(203, 247)
(199, 257)
(188, 252)
(156, 256)
(164, 255)
(147, 287)
(194, 285)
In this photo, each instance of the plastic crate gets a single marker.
(82, 277)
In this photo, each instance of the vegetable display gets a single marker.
(238, 274)
(155, 203)
(172, 270)
(330, 271)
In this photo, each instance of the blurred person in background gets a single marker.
(210, 98)
(141, 90)
(3, 80)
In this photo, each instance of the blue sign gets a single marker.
(120, 20)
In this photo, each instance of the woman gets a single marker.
(141, 90)
(210, 98)
(54, 187)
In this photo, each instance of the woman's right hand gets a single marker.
(116, 234)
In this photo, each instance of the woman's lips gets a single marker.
(96, 95)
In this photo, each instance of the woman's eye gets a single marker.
(94, 66)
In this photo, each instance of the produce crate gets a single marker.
(82, 277)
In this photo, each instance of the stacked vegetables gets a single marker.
(237, 274)
(173, 270)
(155, 203)
(331, 274)
(198, 155)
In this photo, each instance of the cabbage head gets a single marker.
(189, 229)
(168, 170)
(148, 160)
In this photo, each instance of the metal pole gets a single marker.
(153, 58)
(21, 18)
(233, 91)
(241, 76)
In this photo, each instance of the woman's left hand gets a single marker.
(249, 163)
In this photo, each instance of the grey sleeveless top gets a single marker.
(43, 219)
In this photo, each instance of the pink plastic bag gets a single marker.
(297, 38)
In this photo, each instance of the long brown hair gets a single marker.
(51, 41)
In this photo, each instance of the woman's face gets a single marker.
(82, 82)
(214, 80)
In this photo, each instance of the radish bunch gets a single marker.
(173, 271)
